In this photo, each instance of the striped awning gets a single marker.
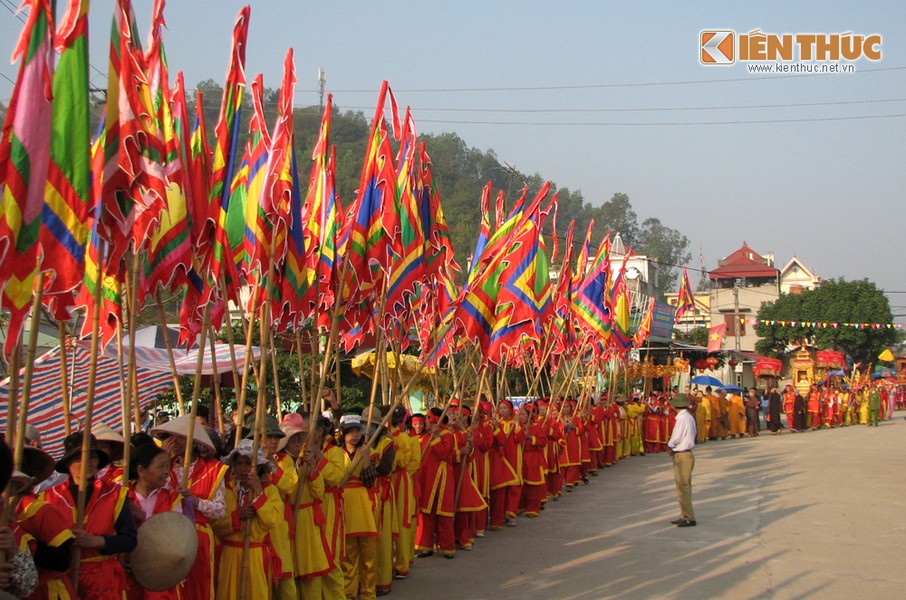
(45, 410)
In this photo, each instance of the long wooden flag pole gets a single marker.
(64, 379)
(162, 317)
(257, 433)
(243, 389)
(196, 392)
(89, 409)
(218, 399)
(29, 371)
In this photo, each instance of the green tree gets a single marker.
(668, 246)
(834, 301)
(617, 215)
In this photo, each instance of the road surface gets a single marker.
(808, 515)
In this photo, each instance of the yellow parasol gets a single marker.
(363, 364)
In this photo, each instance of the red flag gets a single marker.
(716, 337)
(644, 329)
(685, 300)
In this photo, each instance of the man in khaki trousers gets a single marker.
(680, 446)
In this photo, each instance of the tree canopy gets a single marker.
(834, 301)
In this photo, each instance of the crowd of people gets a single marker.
(342, 508)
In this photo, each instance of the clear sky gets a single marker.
(608, 97)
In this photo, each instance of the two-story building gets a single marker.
(740, 284)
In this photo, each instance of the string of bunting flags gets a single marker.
(826, 324)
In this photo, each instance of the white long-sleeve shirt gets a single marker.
(683, 437)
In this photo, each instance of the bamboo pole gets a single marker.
(29, 371)
(376, 376)
(196, 392)
(130, 400)
(314, 344)
(240, 406)
(230, 341)
(257, 433)
(303, 391)
(89, 408)
(12, 403)
(277, 401)
(163, 323)
(64, 380)
(218, 400)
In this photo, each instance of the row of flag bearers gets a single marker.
(331, 519)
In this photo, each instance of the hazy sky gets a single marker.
(609, 97)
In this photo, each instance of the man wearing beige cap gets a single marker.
(680, 446)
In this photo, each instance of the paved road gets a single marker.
(809, 515)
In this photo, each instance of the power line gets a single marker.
(642, 84)
(658, 109)
(662, 123)
(11, 8)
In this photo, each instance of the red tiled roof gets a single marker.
(744, 262)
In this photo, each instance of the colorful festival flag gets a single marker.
(68, 205)
(24, 159)
(685, 300)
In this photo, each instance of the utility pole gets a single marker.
(736, 312)
(322, 79)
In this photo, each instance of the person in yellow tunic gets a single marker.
(625, 427)
(702, 417)
(285, 478)
(636, 409)
(361, 533)
(714, 424)
(252, 506)
(406, 463)
(333, 469)
(737, 416)
(383, 456)
(863, 406)
(311, 551)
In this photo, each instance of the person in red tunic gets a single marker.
(108, 529)
(49, 535)
(598, 420)
(610, 427)
(814, 407)
(571, 451)
(149, 469)
(595, 443)
(468, 499)
(18, 574)
(506, 467)
(435, 475)
(482, 442)
(650, 425)
(533, 464)
(789, 397)
(205, 492)
(555, 433)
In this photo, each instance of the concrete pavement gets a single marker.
(817, 514)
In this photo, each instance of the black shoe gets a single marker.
(676, 521)
(424, 554)
(686, 523)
